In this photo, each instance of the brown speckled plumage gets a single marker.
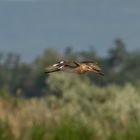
(74, 66)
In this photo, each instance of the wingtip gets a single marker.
(50, 70)
(102, 74)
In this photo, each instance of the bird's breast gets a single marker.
(81, 69)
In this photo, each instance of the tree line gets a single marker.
(29, 79)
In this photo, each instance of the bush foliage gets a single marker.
(75, 109)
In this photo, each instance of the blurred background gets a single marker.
(63, 106)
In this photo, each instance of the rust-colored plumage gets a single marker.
(74, 66)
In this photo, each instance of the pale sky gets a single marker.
(28, 27)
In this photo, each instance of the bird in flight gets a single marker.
(74, 66)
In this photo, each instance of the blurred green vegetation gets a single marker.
(65, 106)
(28, 79)
(88, 113)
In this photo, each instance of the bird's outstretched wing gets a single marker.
(94, 65)
(62, 65)
(51, 68)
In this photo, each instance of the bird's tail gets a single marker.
(97, 70)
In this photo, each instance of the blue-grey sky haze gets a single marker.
(28, 27)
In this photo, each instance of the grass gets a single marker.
(42, 131)
(6, 131)
(132, 133)
(38, 131)
(72, 131)
(110, 113)
(65, 130)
